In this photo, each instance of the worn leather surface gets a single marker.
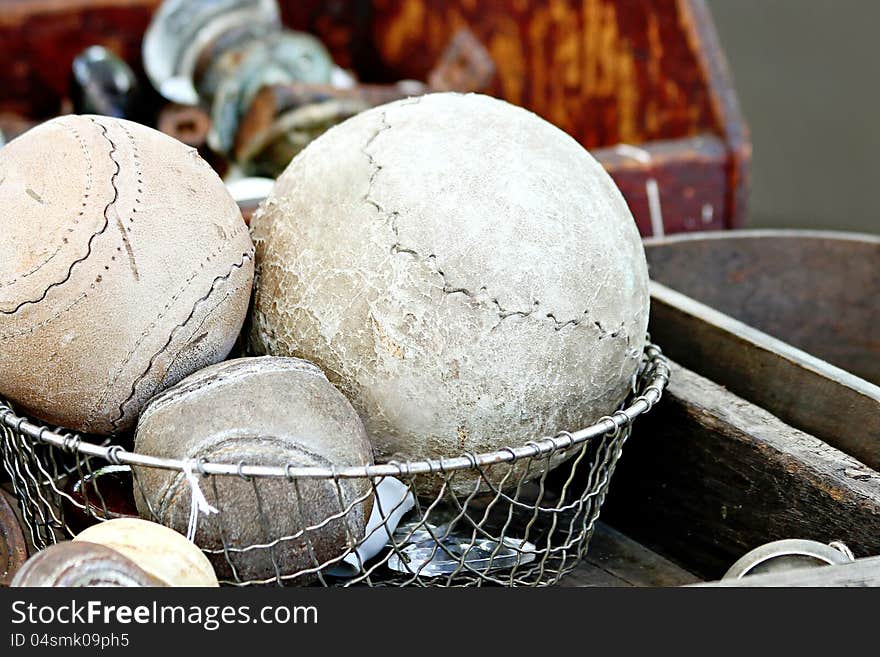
(258, 411)
(465, 272)
(124, 266)
(157, 550)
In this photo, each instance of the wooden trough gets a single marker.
(769, 429)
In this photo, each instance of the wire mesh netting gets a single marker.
(503, 518)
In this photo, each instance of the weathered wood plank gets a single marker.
(816, 290)
(590, 575)
(614, 559)
(861, 572)
(804, 391)
(708, 476)
(632, 562)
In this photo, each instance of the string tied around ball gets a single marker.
(198, 502)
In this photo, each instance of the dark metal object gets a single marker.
(104, 494)
(220, 54)
(13, 547)
(101, 83)
(283, 119)
(284, 56)
(185, 123)
(272, 150)
(181, 30)
(79, 563)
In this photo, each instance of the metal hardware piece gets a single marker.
(788, 554)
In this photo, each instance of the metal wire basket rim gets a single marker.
(649, 396)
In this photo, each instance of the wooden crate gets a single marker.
(709, 476)
(644, 85)
(786, 319)
(771, 429)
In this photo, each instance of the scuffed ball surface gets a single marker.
(124, 266)
(465, 272)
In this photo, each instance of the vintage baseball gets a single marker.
(258, 411)
(157, 550)
(124, 266)
(465, 272)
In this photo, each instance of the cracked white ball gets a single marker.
(124, 266)
(466, 273)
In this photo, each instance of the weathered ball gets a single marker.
(124, 266)
(157, 550)
(465, 272)
(80, 563)
(258, 411)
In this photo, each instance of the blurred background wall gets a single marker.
(808, 77)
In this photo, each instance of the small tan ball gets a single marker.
(157, 550)
(80, 563)
(124, 266)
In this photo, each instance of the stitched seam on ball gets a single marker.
(219, 377)
(208, 315)
(94, 235)
(397, 249)
(34, 270)
(89, 166)
(168, 306)
(135, 155)
(228, 445)
(218, 280)
(49, 320)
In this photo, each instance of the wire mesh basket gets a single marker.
(491, 521)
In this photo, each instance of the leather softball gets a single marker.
(78, 563)
(157, 550)
(258, 411)
(124, 266)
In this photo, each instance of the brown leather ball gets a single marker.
(258, 411)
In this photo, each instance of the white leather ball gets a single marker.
(466, 273)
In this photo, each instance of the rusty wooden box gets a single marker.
(644, 85)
